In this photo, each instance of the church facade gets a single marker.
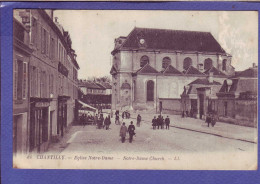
(151, 67)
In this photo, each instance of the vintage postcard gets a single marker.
(135, 89)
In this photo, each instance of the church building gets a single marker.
(151, 67)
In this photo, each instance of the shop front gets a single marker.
(62, 114)
(39, 124)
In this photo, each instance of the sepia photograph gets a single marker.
(135, 89)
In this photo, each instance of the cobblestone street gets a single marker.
(185, 135)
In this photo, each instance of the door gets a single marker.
(201, 108)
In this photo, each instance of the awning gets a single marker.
(86, 106)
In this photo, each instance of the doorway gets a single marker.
(201, 105)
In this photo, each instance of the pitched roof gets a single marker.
(204, 82)
(147, 69)
(193, 71)
(240, 85)
(173, 40)
(100, 85)
(215, 72)
(171, 70)
(91, 85)
(106, 85)
(248, 73)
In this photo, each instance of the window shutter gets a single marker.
(15, 80)
(42, 39)
(47, 43)
(24, 88)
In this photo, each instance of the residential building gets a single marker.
(21, 59)
(52, 84)
(95, 94)
(237, 98)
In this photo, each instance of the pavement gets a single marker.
(221, 129)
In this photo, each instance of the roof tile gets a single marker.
(173, 40)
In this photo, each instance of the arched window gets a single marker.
(144, 60)
(224, 65)
(166, 62)
(207, 64)
(150, 90)
(187, 63)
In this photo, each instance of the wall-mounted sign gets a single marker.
(42, 104)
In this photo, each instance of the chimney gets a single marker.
(254, 65)
(56, 19)
(210, 77)
(200, 67)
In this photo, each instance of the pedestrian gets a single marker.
(108, 121)
(167, 122)
(131, 131)
(101, 120)
(162, 122)
(122, 133)
(208, 119)
(213, 119)
(182, 114)
(139, 118)
(95, 119)
(158, 121)
(117, 119)
(123, 115)
(154, 122)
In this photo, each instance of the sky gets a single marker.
(93, 32)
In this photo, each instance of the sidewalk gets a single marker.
(225, 130)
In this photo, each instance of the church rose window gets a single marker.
(150, 90)
(224, 65)
(166, 62)
(187, 63)
(207, 64)
(144, 60)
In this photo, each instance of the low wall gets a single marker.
(170, 106)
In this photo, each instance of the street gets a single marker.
(85, 139)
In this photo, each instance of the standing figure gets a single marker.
(131, 130)
(108, 122)
(213, 119)
(101, 118)
(154, 122)
(95, 119)
(162, 122)
(167, 122)
(122, 133)
(117, 119)
(208, 119)
(139, 118)
(158, 121)
(123, 115)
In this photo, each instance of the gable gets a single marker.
(147, 69)
(171, 70)
(215, 72)
(193, 71)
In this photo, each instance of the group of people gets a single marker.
(211, 118)
(124, 130)
(125, 115)
(102, 122)
(86, 118)
(159, 122)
